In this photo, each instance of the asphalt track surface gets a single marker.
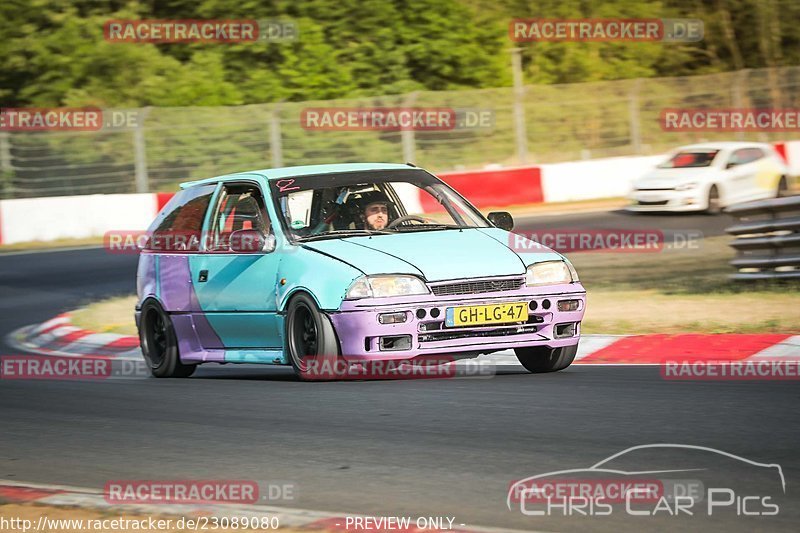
(417, 448)
(707, 225)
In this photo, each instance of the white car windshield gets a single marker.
(370, 203)
(690, 159)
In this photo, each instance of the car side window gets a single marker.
(178, 226)
(240, 207)
(298, 209)
(756, 154)
(745, 155)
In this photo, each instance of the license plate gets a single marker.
(471, 315)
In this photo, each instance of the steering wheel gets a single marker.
(406, 218)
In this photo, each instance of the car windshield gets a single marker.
(691, 159)
(370, 203)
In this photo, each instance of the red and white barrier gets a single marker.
(790, 151)
(493, 187)
(596, 178)
(73, 217)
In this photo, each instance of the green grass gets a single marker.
(114, 315)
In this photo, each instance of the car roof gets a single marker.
(723, 145)
(305, 170)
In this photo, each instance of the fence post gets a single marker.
(407, 135)
(140, 153)
(6, 170)
(275, 141)
(739, 80)
(520, 130)
(633, 116)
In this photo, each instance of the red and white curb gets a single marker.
(66, 496)
(59, 336)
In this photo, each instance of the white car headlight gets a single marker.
(686, 186)
(383, 286)
(550, 273)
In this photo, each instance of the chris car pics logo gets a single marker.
(699, 484)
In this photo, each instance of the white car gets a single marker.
(710, 176)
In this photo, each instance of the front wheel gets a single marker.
(311, 341)
(160, 344)
(713, 206)
(540, 359)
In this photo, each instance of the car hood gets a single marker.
(434, 255)
(663, 178)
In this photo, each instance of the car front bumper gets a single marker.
(667, 200)
(360, 333)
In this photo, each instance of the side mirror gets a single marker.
(250, 241)
(502, 220)
(730, 164)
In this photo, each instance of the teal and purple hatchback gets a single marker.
(282, 266)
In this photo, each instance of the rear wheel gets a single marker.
(311, 341)
(539, 359)
(783, 188)
(160, 344)
(713, 206)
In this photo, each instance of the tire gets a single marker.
(783, 188)
(311, 342)
(713, 206)
(160, 344)
(540, 359)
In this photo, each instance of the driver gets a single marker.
(376, 210)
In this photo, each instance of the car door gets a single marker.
(175, 237)
(753, 168)
(236, 289)
(767, 174)
(740, 175)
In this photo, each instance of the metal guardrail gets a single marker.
(767, 239)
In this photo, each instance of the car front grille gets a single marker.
(660, 202)
(450, 335)
(478, 287)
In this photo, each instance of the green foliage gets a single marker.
(52, 52)
(380, 52)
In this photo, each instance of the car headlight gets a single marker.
(383, 286)
(686, 186)
(550, 273)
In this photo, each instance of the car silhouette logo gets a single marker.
(602, 467)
